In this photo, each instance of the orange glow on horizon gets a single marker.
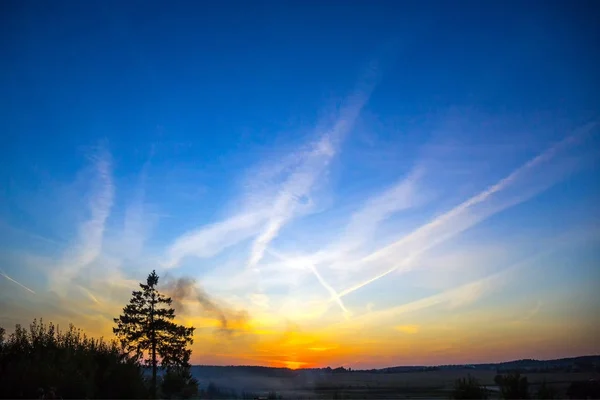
(295, 364)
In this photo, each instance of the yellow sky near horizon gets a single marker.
(422, 336)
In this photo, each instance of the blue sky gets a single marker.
(319, 165)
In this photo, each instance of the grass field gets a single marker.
(359, 385)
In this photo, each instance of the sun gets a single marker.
(294, 364)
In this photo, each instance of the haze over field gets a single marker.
(332, 183)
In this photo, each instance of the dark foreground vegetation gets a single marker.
(44, 359)
(149, 358)
(515, 386)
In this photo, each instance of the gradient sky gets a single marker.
(360, 183)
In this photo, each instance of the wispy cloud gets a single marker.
(522, 184)
(210, 240)
(292, 194)
(276, 194)
(454, 298)
(403, 195)
(272, 201)
(297, 188)
(137, 221)
(88, 245)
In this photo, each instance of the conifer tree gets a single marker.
(146, 327)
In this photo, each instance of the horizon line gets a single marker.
(400, 366)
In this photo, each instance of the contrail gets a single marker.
(427, 232)
(90, 294)
(334, 295)
(91, 232)
(13, 281)
(351, 289)
(301, 182)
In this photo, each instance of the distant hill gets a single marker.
(236, 380)
(583, 363)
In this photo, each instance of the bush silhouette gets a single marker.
(72, 365)
(468, 388)
(178, 384)
(513, 386)
(546, 392)
(584, 390)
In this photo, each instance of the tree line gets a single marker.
(515, 386)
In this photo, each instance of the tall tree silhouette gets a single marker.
(146, 327)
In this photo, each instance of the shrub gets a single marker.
(513, 386)
(468, 388)
(71, 364)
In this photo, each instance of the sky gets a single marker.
(356, 183)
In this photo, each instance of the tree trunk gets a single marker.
(153, 339)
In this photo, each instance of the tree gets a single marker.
(178, 383)
(513, 386)
(546, 392)
(468, 388)
(584, 390)
(146, 327)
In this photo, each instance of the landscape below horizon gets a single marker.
(394, 382)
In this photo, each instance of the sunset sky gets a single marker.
(357, 183)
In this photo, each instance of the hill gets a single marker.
(572, 364)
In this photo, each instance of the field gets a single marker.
(364, 385)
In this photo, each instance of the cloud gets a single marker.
(306, 264)
(468, 293)
(522, 184)
(275, 194)
(278, 193)
(88, 245)
(297, 187)
(137, 221)
(361, 227)
(456, 297)
(334, 295)
(260, 299)
(400, 196)
(212, 239)
(293, 194)
(403, 195)
(89, 294)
